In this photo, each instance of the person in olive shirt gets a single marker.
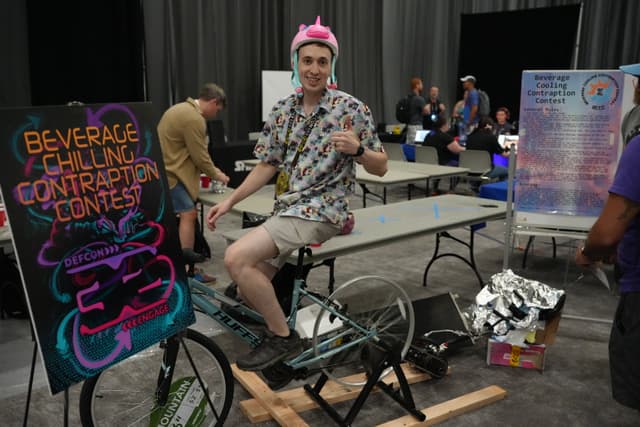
(482, 138)
(182, 131)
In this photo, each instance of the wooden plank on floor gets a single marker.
(332, 392)
(451, 408)
(278, 408)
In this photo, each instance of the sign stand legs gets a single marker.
(508, 244)
(30, 387)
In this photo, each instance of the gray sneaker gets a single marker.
(270, 351)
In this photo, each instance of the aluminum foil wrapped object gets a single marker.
(510, 301)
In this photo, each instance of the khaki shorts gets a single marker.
(290, 233)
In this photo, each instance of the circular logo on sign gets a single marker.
(600, 90)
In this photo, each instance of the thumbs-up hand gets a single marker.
(347, 126)
(346, 141)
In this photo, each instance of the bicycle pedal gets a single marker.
(278, 375)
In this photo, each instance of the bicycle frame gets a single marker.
(306, 358)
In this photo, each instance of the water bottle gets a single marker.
(462, 133)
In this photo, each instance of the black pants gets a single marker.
(624, 351)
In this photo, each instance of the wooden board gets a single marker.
(298, 400)
(452, 408)
(277, 407)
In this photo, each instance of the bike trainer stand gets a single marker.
(388, 358)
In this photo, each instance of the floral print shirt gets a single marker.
(322, 177)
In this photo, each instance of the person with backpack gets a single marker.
(471, 104)
(411, 109)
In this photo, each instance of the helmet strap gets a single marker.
(333, 83)
(295, 76)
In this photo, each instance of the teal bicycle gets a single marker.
(187, 379)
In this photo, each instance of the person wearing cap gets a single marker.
(182, 132)
(631, 121)
(615, 238)
(315, 136)
(471, 103)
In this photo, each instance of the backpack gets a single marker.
(403, 109)
(282, 283)
(200, 244)
(484, 104)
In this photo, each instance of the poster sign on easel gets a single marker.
(568, 148)
(94, 232)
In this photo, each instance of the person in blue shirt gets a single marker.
(630, 126)
(615, 237)
(471, 103)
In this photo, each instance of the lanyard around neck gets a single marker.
(308, 128)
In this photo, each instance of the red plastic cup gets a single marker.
(205, 181)
(3, 217)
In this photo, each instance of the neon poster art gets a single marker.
(95, 235)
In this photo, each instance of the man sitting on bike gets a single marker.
(314, 136)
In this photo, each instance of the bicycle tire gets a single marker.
(373, 302)
(124, 394)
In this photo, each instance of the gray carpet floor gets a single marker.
(573, 390)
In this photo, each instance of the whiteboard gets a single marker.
(275, 86)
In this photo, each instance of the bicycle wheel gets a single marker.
(125, 394)
(380, 307)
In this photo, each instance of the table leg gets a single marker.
(436, 255)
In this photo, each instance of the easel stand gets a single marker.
(403, 396)
(25, 420)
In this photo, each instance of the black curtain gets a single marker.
(229, 42)
(15, 89)
(85, 51)
(490, 50)
(383, 44)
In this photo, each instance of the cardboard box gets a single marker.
(547, 335)
(528, 356)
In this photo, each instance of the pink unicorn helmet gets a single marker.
(316, 33)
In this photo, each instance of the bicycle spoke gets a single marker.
(388, 317)
(199, 372)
